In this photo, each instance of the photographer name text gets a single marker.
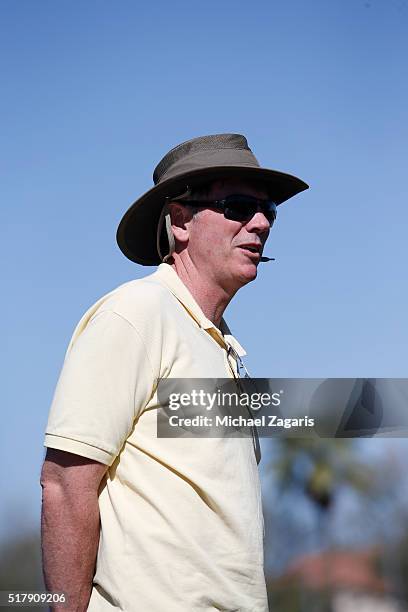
(240, 421)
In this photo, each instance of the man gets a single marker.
(132, 521)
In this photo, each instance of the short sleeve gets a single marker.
(105, 383)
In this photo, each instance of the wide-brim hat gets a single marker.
(190, 164)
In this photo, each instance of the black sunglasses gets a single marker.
(238, 207)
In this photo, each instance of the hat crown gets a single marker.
(214, 142)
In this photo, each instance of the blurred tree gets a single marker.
(319, 466)
(316, 469)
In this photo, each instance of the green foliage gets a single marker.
(330, 463)
(292, 596)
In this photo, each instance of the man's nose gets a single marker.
(258, 223)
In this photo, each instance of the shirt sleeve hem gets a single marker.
(78, 448)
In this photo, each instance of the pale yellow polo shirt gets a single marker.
(181, 519)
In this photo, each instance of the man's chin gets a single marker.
(248, 273)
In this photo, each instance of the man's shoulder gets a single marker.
(141, 302)
(136, 298)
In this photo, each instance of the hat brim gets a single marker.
(137, 231)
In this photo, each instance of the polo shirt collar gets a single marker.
(169, 277)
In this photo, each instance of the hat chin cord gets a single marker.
(165, 219)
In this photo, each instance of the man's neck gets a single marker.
(210, 296)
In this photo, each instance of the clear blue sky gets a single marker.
(94, 93)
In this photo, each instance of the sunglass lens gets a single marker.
(244, 210)
(238, 210)
(269, 210)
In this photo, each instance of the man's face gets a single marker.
(220, 247)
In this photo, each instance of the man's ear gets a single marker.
(180, 217)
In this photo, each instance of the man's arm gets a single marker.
(70, 525)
